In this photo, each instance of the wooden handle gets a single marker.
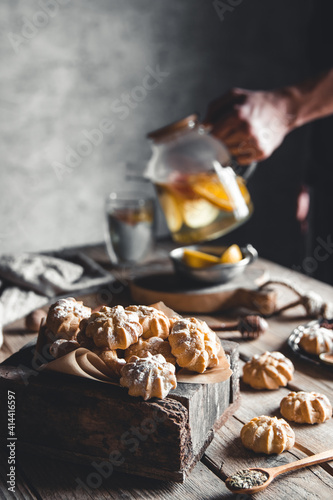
(325, 456)
(263, 301)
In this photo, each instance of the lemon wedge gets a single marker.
(231, 255)
(194, 258)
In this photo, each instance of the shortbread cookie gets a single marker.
(306, 407)
(154, 322)
(194, 344)
(111, 359)
(64, 317)
(173, 320)
(82, 338)
(61, 347)
(113, 327)
(154, 345)
(149, 377)
(316, 340)
(267, 435)
(270, 370)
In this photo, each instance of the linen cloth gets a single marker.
(29, 280)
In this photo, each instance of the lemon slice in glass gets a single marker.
(199, 213)
(231, 255)
(194, 258)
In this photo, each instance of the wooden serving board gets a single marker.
(84, 421)
(183, 295)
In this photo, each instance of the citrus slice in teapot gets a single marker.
(198, 213)
(197, 183)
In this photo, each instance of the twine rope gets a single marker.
(312, 302)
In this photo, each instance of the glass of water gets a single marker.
(129, 227)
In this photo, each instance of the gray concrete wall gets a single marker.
(66, 67)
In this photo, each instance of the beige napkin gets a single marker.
(86, 364)
(82, 363)
(31, 280)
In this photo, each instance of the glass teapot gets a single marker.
(198, 187)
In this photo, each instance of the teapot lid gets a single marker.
(185, 123)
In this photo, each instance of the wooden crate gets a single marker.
(85, 421)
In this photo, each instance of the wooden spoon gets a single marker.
(273, 472)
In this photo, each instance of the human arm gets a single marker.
(252, 124)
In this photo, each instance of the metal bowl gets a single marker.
(216, 274)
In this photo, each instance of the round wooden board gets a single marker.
(186, 296)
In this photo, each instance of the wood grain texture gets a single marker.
(225, 454)
(55, 479)
(183, 295)
(23, 491)
(81, 420)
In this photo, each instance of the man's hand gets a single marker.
(251, 124)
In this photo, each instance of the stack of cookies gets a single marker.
(140, 345)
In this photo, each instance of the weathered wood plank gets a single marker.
(307, 483)
(307, 377)
(315, 438)
(226, 455)
(13, 341)
(56, 480)
(82, 420)
(22, 488)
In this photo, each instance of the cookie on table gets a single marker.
(269, 370)
(306, 407)
(267, 435)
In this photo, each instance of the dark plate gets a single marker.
(295, 337)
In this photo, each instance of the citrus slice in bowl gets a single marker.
(231, 255)
(194, 258)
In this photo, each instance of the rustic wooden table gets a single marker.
(45, 478)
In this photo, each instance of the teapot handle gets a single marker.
(249, 170)
(244, 171)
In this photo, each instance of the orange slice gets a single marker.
(194, 258)
(231, 255)
(214, 193)
(211, 189)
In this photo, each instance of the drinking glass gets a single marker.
(129, 227)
